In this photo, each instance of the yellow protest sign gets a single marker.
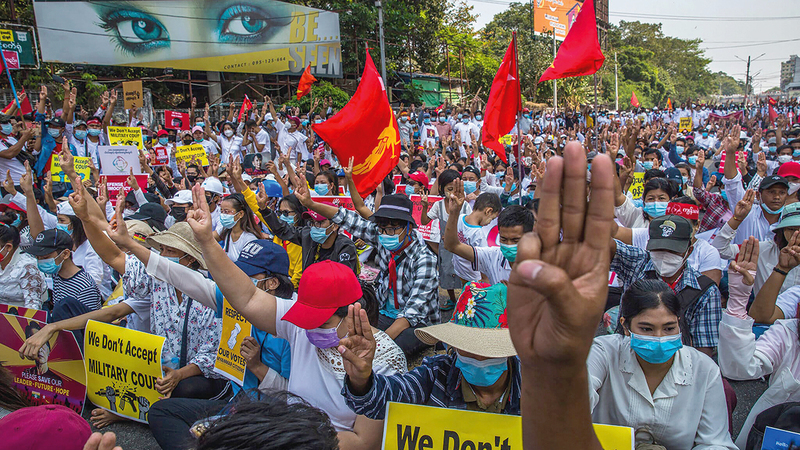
(507, 139)
(122, 366)
(235, 328)
(132, 94)
(637, 186)
(125, 136)
(414, 427)
(685, 125)
(186, 152)
(81, 164)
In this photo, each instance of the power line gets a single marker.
(754, 45)
(701, 18)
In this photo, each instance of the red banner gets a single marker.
(174, 120)
(30, 313)
(161, 156)
(115, 183)
(685, 210)
(732, 116)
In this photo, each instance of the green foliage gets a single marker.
(320, 91)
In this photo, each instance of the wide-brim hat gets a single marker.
(179, 236)
(395, 207)
(790, 217)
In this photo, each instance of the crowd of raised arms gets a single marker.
(619, 271)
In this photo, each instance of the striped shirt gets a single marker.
(80, 286)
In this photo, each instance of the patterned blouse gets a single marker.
(21, 282)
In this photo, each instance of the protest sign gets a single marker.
(81, 164)
(119, 160)
(161, 156)
(507, 139)
(230, 363)
(125, 136)
(116, 183)
(132, 94)
(56, 377)
(685, 125)
(430, 232)
(637, 186)
(255, 164)
(174, 120)
(19, 42)
(186, 152)
(30, 313)
(397, 179)
(410, 427)
(775, 439)
(122, 366)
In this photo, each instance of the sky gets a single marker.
(728, 28)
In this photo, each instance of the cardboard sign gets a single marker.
(637, 186)
(30, 313)
(119, 160)
(116, 183)
(132, 94)
(56, 377)
(186, 152)
(174, 120)
(119, 136)
(507, 139)
(431, 231)
(775, 439)
(161, 156)
(81, 164)
(122, 366)
(410, 427)
(230, 363)
(685, 125)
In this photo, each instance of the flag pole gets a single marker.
(13, 89)
(595, 106)
(520, 160)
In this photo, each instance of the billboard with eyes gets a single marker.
(256, 36)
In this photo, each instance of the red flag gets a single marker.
(304, 87)
(634, 100)
(26, 106)
(669, 104)
(503, 105)
(247, 105)
(772, 101)
(772, 113)
(365, 129)
(580, 52)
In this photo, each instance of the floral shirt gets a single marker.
(21, 282)
(167, 317)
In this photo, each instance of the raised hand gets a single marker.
(358, 349)
(117, 229)
(26, 180)
(744, 205)
(301, 192)
(66, 160)
(457, 198)
(746, 261)
(261, 197)
(789, 257)
(711, 182)
(348, 171)
(8, 184)
(78, 202)
(199, 217)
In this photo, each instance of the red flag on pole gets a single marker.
(634, 100)
(503, 105)
(247, 105)
(304, 87)
(365, 129)
(669, 104)
(26, 106)
(580, 52)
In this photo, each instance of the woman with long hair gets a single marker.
(237, 225)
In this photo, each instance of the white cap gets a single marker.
(213, 185)
(268, 116)
(64, 208)
(246, 177)
(655, 108)
(183, 197)
(743, 135)
(270, 177)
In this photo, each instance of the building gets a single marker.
(790, 75)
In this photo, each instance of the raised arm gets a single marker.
(451, 242)
(94, 228)
(764, 308)
(358, 202)
(730, 144)
(34, 217)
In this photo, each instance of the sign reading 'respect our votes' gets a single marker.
(415, 427)
(122, 366)
(230, 363)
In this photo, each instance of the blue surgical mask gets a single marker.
(54, 132)
(227, 220)
(705, 134)
(685, 179)
(163, 140)
(304, 123)
(513, 186)
(647, 165)
(288, 219)
(499, 175)
(390, 243)
(481, 373)
(442, 119)
(321, 189)
(6, 128)
(409, 190)
(773, 148)
(175, 259)
(81, 134)
(527, 116)
(465, 120)
(478, 117)
(318, 235)
(655, 209)
(796, 153)
(65, 228)
(692, 160)
(324, 337)
(317, 121)
(509, 252)
(427, 121)
(17, 222)
(470, 187)
(679, 149)
(766, 208)
(656, 350)
(94, 131)
(200, 124)
(48, 266)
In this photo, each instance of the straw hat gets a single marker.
(179, 236)
(478, 325)
(139, 231)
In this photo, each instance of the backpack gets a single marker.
(785, 416)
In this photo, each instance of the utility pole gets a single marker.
(616, 83)
(555, 82)
(747, 76)
(383, 52)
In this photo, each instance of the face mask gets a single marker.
(655, 209)
(465, 120)
(513, 186)
(647, 165)
(692, 160)
(288, 219)
(404, 119)
(163, 140)
(81, 134)
(478, 117)
(783, 159)
(49, 266)
(796, 153)
(527, 116)
(200, 124)
(317, 120)
(685, 179)
(656, 350)
(324, 338)
(679, 149)
(198, 140)
(65, 228)
(409, 190)
(481, 373)
(54, 132)
(390, 243)
(187, 141)
(228, 132)
(6, 128)
(441, 120)
(94, 131)
(766, 208)
(321, 189)
(499, 175)
(666, 264)
(427, 121)
(773, 149)
(16, 223)
(470, 187)
(793, 187)
(319, 235)
(227, 220)
(178, 214)
(705, 135)
(509, 252)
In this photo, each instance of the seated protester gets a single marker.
(480, 371)
(179, 205)
(665, 258)
(416, 184)
(326, 183)
(771, 250)
(494, 262)
(473, 229)
(21, 282)
(651, 159)
(741, 357)
(237, 225)
(642, 376)
(471, 177)
(408, 280)
(656, 196)
(512, 188)
(311, 324)
(715, 207)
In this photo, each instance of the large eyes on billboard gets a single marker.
(245, 24)
(135, 31)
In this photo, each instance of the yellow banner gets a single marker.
(637, 186)
(235, 328)
(81, 164)
(186, 152)
(122, 366)
(685, 125)
(125, 136)
(266, 61)
(507, 139)
(410, 427)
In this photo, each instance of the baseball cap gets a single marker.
(56, 122)
(49, 241)
(162, 132)
(150, 211)
(325, 162)
(183, 197)
(674, 174)
(272, 188)
(196, 129)
(420, 177)
(247, 178)
(263, 256)
(670, 232)
(213, 185)
(772, 180)
(64, 208)
(44, 426)
(316, 302)
(789, 169)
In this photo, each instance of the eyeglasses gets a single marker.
(391, 231)
(286, 212)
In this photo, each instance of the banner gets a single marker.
(116, 183)
(775, 439)
(558, 15)
(56, 377)
(120, 136)
(251, 37)
(81, 164)
(410, 427)
(430, 232)
(685, 125)
(122, 366)
(230, 363)
(186, 152)
(30, 313)
(20, 41)
(119, 160)
(738, 115)
(161, 156)
(637, 186)
(176, 120)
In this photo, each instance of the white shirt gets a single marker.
(491, 262)
(21, 282)
(233, 248)
(787, 301)
(292, 142)
(262, 137)
(231, 148)
(703, 258)
(428, 135)
(12, 164)
(755, 224)
(86, 147)
(472, 235)
(686, 411)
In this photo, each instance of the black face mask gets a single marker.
(179, 214)
(187, 142)
(191, 179)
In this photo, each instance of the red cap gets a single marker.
(294, 119)
(789, 169)
(11, 205)
(45, 426)
(324, 287)
(419, 177)
(93, 121)
(162, 132)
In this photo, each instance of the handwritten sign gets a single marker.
(637, 186)
(120, 136)
(81, 164)
(119, 160)
(230, 363)
(187, 152)
(685, 125)
(122, 366)
(116, 183)
(132, 94)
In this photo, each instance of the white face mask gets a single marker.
(793, 187)
(784, 158)
(667, 264)
(228, 132)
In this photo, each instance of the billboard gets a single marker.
(258, 36)
(555, 14)
(19, 46)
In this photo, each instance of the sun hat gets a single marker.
(139, 231)
(479, 324)
(179, 236)
(395, 207)
(324, 287)
(44, 426)
(790, 217)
